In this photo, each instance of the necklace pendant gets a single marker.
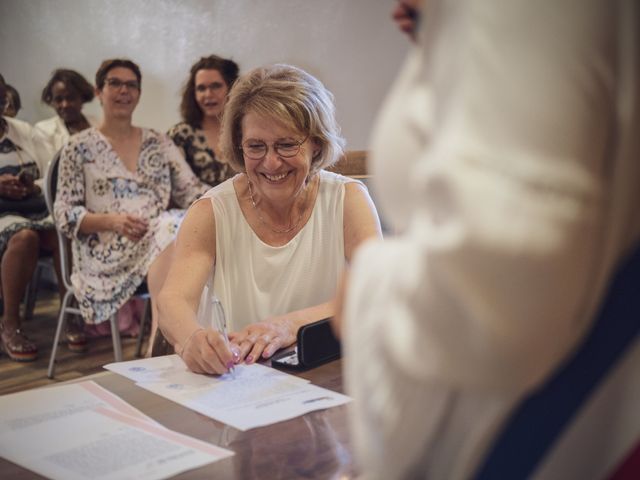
(264, 222)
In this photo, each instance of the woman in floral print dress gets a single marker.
(114, 187)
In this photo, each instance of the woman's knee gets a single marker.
(25, 240)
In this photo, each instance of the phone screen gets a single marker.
(286, 359)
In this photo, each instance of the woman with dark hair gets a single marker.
(115, 184)
(25, 224)
(203, 100)
(66, 92)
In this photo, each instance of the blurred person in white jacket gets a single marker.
(506, 159)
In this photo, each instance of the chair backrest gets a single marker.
(352, 164)
(49, 189)
(545, 436)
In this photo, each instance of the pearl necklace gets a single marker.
(264, 222)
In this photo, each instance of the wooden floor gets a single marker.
(15, 376)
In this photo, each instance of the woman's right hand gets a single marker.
(12, 188)
(128, 225)
(205, 351)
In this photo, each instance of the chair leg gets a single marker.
(31, 293)
(56, 339)
(115, 335)
(143, 323)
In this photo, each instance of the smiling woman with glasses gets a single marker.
(114, 188)
(272, 242)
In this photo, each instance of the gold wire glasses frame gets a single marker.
(257, 149)
(117, 84)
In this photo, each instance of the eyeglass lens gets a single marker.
(116, 83)
(257, 149)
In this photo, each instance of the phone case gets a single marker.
(316, 344)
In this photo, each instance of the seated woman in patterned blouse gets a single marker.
(23, 231)
(114, 187)
(203, 100)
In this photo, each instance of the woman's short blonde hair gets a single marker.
(290, 96)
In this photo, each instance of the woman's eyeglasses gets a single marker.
(257, 149)
(117, 84)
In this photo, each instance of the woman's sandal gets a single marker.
(76, 339)
(18, 346)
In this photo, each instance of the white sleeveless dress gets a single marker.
(254, 280)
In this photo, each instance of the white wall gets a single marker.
(350, 45)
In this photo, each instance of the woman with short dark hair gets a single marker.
(66, 92)
(203, 100)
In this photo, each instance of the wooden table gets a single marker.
(315, 445)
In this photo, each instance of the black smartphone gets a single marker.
(316, 344)
(26, 178)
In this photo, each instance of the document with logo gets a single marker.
(252, 396)
(81, 431)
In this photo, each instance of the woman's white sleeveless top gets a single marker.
(254, 280)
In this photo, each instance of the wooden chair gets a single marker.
(352, 164)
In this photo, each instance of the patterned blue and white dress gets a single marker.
(107, 266)
(19, 151)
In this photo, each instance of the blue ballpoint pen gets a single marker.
(221, 325)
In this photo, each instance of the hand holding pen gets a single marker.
(220, 324)
(207, 350)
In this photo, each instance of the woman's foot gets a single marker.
(18, 346)
(76, 339)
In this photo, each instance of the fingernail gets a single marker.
(229, 365)
(236, 354)
(249, 359)
(266, 353)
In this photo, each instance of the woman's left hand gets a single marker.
(263, 339)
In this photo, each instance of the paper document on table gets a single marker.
(171, 369)
(253, 396)
(80, 431)
(60, 401)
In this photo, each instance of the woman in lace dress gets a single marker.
(114, 187)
